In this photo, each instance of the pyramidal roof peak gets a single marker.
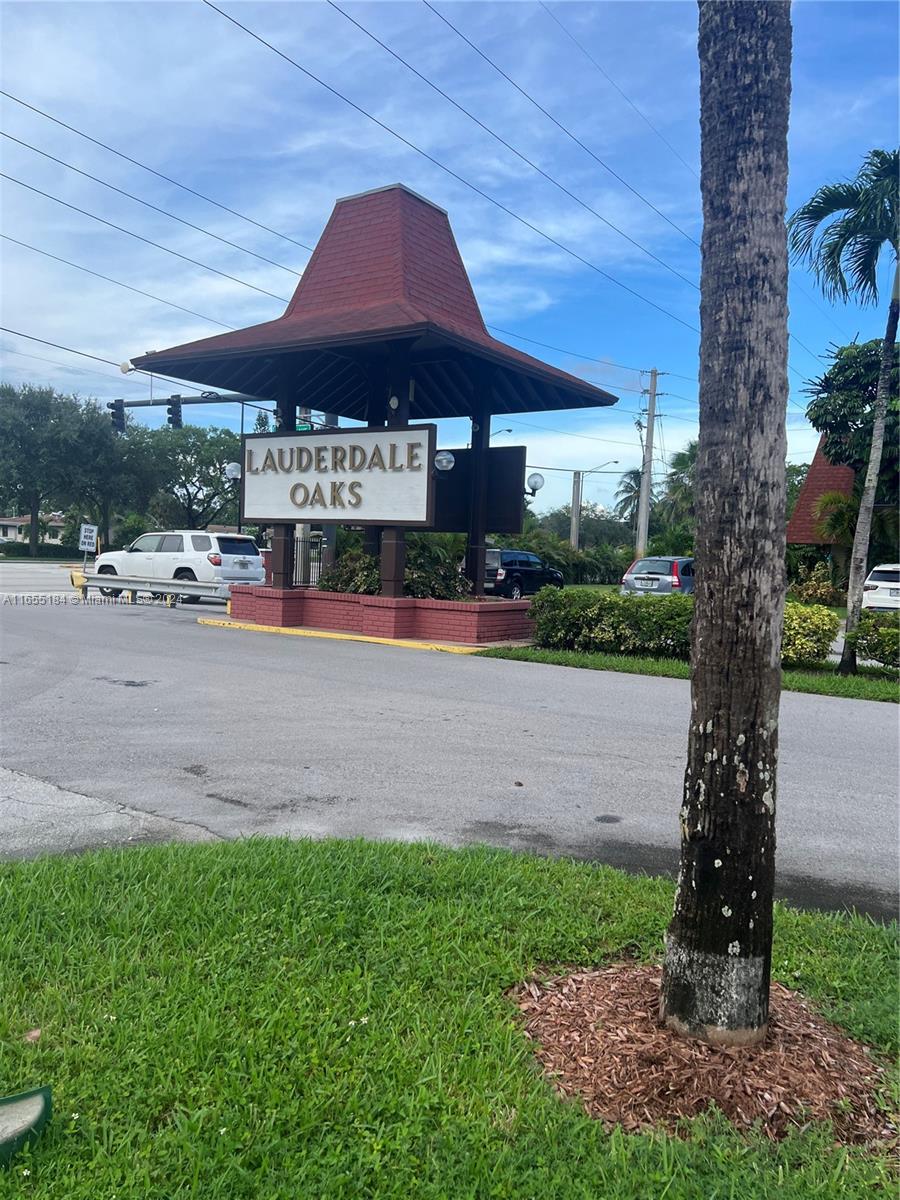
(392, 251)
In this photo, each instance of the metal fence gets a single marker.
(307, 559)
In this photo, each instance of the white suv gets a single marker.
(882, 589)
(186, 554)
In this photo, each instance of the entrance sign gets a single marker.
(87, 537)
(378, 476)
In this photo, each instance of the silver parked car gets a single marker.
(659, 576)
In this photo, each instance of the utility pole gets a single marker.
(575, 517)
(643, 517)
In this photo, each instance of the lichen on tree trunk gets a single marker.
(718, 947)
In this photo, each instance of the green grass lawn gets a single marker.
(869, 684)
(275, 1020)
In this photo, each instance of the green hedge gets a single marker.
(44, 550)
(878, 638)
(658, 627)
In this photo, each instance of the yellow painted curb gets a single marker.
(407, 644)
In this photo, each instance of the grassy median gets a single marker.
(274, 1020)
(869, 684)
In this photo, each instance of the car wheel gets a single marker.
(109, 591)
(193, 578)
(515, 592)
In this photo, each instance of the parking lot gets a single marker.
(128, 723)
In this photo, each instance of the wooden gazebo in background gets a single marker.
(384, 328)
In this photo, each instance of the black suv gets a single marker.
(517, 573)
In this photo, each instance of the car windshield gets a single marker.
(883, 575)
(652, 566)
(238, 545)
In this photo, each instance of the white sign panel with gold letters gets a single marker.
(346, 476)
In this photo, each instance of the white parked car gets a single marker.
(185, 554)
(881, 591)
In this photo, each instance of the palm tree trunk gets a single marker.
(860, 554)
(719, 943)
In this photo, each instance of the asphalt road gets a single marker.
(124, 724)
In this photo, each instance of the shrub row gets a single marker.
(605, 623)
(432, 572)
(44, 550)
(877, 638)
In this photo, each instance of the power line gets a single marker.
(575, 353)
(140, 238)
(449, 170)
(503, 142)
(575, 139)
(172, 216)
(159, 175)
(623, 94)
(57, 346)
(559, 124)
(96, 358)
(66, 366)
(567, 433)
(569, 470)
(117, 282)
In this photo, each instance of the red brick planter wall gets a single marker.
(380, 616)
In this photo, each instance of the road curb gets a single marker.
(404, 643)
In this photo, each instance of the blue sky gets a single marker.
(179, 88)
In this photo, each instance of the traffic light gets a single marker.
(174, 411)
(117, 414)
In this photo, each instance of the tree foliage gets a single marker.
(38, 431)
(841, 232)
(842, 407)
(59, 451)
(842, 229)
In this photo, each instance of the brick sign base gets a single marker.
(380, 616)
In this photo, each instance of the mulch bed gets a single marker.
(598, 1037)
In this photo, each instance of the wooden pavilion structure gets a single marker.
(384, 328)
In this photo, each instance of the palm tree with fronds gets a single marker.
(841, 232)
(628, 496)
(679, 494)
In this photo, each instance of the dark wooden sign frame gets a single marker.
(347, 518)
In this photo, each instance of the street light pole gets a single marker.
(575, 516)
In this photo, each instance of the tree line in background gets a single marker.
(60, 453)
(842, 407)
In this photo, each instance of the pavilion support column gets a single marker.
(329, 538)
(283, 535)
(481, 437)
(393, 540)
(376, 411)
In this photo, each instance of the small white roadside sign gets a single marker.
(87, 538)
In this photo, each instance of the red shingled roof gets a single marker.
(823, 477)
(386, 266)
